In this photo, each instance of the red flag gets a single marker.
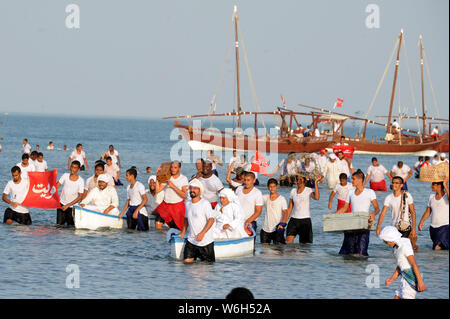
(282, 99)
(42, 192)
(259, 164)
(338, 102)
(348, 150)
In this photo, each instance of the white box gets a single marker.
(347, 221)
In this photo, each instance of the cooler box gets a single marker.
(346, 221)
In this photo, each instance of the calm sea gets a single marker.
(37, 260)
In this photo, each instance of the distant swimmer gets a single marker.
(26, 148)
(79, 155)
(17, 189)
(37, 147)
(50, 146)
(148, 170)
(103, 196)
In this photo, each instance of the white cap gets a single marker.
(103, 178)
(152, 177)
(333, 156)
(442, 155)
(196, 183)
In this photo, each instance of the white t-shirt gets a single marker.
(26, 149)
(435, 131)
(211, 186)
(274, 214)
(249, 201)
(17, 193)
(402, 252)
(316, 132)
(417, 165)
(301, 203)
(376, 173)
(113, 156)
(235, 162)
(394, 205)
(112, 170)
(135, 196)
(342, 191)
(170, 196)
(198, 215)
(74, 156)
(439, 210)
(402, 172)
(153, 201)
(70, 189)
(361, 203)
(343, 166)
(40, 166)
(24, 170)
(288, 168)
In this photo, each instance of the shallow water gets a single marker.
(123, 264)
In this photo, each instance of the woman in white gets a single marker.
(438, 209)
(407, 268)
(229, 217)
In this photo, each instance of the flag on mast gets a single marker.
(283, 100)
(338, 103)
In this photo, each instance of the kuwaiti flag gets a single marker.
(259, 164)
(42, 192)
(283, 100)
(338, 103)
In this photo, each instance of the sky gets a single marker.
(145, 58)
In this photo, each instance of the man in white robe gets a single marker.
(229, 217)
(102, 198)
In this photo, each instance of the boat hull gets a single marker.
(226, 248)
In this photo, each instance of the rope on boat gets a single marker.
(431, 85)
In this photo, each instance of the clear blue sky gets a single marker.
(161, 58)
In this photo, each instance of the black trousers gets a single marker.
(133, 223)
(24, 219)
(65, 216)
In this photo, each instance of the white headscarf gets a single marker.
(228, 193)
(196, 183)
(442, 155)
(390, 233)
(102, 178)
(152, 177)
(332, 156)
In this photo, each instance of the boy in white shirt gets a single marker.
(79, 155)
(251, 201)
(137, 216)
(72, 193)
(25, 166)
(375, 173)
(403, 171)
(154, 198)
(26, 148)
(17, 189)
(341, 190)
(40, 164)
(276, 210)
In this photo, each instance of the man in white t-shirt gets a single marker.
(114, 154)
(78, 155)
(344, 164)
(199, 220)
(357, 242)
(341, 189)
(17, 189)
(72, 193)
(137, 216)
(251, 201)
(40, 164)
(26, 166)
(154, 198)
(103, 196)
(26, 148)
(235, 162)
(401, 204)
(211, 183)
(435, 132)
(435, 159)
(276, 210)
(300, 221)
(172, 209)
(376, 173)
(402, 170)
(438, 208)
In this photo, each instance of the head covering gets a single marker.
(442, 155)
(151, 178)
(196, 183)
(103, 178)
(390, 233)
(333, 156)
(228, 193)
(323, 151)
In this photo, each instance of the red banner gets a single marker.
(346, 149)
(338, 102)
(259, 164)
(42, 192)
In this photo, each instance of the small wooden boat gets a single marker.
(88, 218)
(223, 248)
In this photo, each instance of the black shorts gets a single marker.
(159, 219)
(24, 219)
(205, 253)
(133, 223)
(301, 227)
(65, 216)
(275, 236)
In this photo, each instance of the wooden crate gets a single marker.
(163, 175)
(347, 221)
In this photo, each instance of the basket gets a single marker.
(434, 173)
(163, 175)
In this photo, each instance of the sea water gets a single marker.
(41, 261)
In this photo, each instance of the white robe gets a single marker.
(232, 215)
(332, 174)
